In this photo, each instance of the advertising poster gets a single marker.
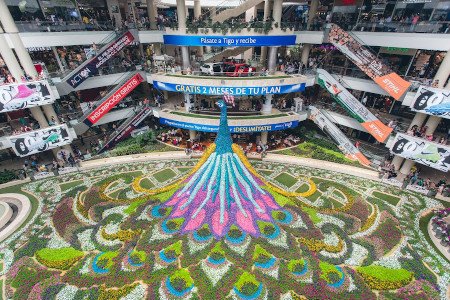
(368, 62)
(344, 144)
(40, 140)
(91, 67)
(22, 95)
(371, 123)
(113, 99)
(229, 41)
(432, 101)
(424, 152)
(128, 128)
(233, 129)
(231, 90)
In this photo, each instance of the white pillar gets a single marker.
(397, 162)
(9, 58)
(187, 102)
(272, 61)
(192, 134)
(406, 167)
(444, 71)
(151, 14)
(312, 13)
(418, 119)
(305, 54)
(266, 16)
(197, 15)
(264, 135)
(39, 116)
(432, 124)
(267, 106)
(277, 11)
(181, 12)
(58, 59)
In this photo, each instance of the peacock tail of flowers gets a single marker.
(222, 192)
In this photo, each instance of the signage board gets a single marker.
(368, 120)
(113, 99)
(418, 189)
(91, 68)
(40, 140)
(382, 74)
(67, 170)
(392, 181)
(432, 101)
(22, 95)
(231, 90)
(42, 175)
(422, 151)
(344, 144)
(229, 41)
(233, 129)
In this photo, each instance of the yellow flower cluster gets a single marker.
(243, 158)
(115, 293)
(121, 235)
(63, 264)
(318, 245)
(297, 297)
(138, 188)
(386, 284)
(370, 220)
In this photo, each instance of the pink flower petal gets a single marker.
(246, 223)
(270, 202)
(177, 211)
(217, 227)
(196, 222)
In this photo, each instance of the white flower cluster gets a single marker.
(215, 274)
(109, 228)
(331, 239)
(115, 210)
(145, 214)
(351, 286)
(280, 241)
(335, 255)
(67, 293)
(8, 259)
(157, 235)
(78, 214)
(392, 259)
(56, 241)
(357, 256)
(329, 219)
(137, 293)
(85, 269)
(85, 240)
(193, 246)
(242, 248)
(131, 194)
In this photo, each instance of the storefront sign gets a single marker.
(22, 95)
(368, 62)
(105, 54)
(418, 189)
(432, 101)
(229, 41)
(344, 144)
(357, 110)
(127, 130)
(231, 90)
(233, 129)
(40, 140)
(42, 175)
(431, 154)
(392, 181)
(113, 99)
(67, 170)
(138, 132)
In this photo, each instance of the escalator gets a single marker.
(235, 11)
(357, 110)
(131, 123)
(327, 125)
(125, 85)
(113, 44)
(367, 61)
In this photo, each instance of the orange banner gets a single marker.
(393, 84)
(359, 157)
(377, 129)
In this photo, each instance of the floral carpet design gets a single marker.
(221, 228)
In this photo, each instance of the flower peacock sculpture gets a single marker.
(223, 191)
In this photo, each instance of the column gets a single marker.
(249, 15)
(272, 61)
(397, 162)
(9, 58)
(277, 11)
(151, 14)
(181, 11)
(192, 135)
(432, 124)
(276, 14)
(198, 15)
(58, 59)
(305, 54)
(444, 71)
(49, 112)
(157, 49)
(406, 168)
(39, 116)
(187, 102)
(264, 135)
(312, 13)
(267, 106)
(266, 16)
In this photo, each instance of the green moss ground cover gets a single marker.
(386, 197)
(286, 179)
(164, 175)
(146, 183)
(69, 185)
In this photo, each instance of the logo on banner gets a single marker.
(114, 99)
(40, 140)
(23, 95)
(229, 41)
(432, 101)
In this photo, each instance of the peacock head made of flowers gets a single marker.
(224, 191)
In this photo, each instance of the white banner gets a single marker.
(427, 153)
(40, 140)
(417, 188)
(22, 95)
(66, 170)
(392, 181)
(42, 175)
(432, 101)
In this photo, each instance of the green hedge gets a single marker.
(382, 278)
(62, 258)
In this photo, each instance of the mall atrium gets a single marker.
(224, 149)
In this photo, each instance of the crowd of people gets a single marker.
(421, 133)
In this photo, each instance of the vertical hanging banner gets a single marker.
(113, 99)
(40, 140)
(22, 95)
(424, 152)
(344, 144)
(382, 74)
(432, 101)
(358, 111)
(91, 67)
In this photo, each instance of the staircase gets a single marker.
(125, 85)
(366, 59)
(326, 124)
(229, 52)
(235, 11)
(113, 44)
(357, 110)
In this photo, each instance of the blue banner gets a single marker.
(233, 129)
(232, 90)
(229, 41)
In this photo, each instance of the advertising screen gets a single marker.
(229, 41)
(382, 74)
(22, 95)
(432, 101)
(424, 152)
(40, 140)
